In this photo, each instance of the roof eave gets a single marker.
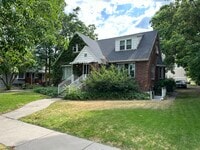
(128, 60)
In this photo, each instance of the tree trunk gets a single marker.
(49, 70)
(8, 80)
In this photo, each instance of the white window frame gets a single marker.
(125, 44)
(75, 49)
(128, 45)
(122, 45)
(133, 69)
(18, 76)
(121, 66)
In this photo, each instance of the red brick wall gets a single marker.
(153, 61)
(143, 72)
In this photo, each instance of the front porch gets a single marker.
(74, 74)
(78, 70)
(80, 67)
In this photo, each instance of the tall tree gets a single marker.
(15, 42)
(23, 26)
(50, 25)
(72, 24)
(179, 28)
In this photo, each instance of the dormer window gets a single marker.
(128, 44)
(75, 48)
(125, 44)
(122, 45)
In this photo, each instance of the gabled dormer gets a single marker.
(128, 42)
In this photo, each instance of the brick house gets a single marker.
(139, 53)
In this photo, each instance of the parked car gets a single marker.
(181, 84)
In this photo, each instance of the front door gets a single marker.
(85, 68)
(67, 71)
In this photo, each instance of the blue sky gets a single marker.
(116, 17)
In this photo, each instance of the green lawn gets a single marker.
(13, 100)
(129, 125)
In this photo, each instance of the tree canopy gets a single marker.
(15, 43)
(34, 32)
(178, 25)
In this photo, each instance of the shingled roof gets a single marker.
(142, 53)
(94, 46)
(105, 49)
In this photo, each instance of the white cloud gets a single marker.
(116, 24)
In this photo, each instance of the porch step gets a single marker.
(157, 97)
(77, 83)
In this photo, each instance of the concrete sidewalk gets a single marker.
(24, 136)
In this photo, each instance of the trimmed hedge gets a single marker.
(49, 91)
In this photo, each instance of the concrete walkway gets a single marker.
(24, 136)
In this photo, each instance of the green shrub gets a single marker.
(168, 83)
(110, 80)
(74, 93)
(28, 86)
(82, 95)
(50, 91)
(107, 83)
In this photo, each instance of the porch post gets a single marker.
(83, 69)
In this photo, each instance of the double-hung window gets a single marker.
(131, 70)
(75, 48)
(125, 44)
(129, 67)
(122, 45)
(128, 44)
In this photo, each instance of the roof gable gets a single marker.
(93, 45)
(86, 56)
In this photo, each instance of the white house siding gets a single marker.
(136, 41)
(179, 74)
(85, 56)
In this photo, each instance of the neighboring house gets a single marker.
(179, 73)
(30, 77)
(138, 53)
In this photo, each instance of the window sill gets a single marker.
(125, 50)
